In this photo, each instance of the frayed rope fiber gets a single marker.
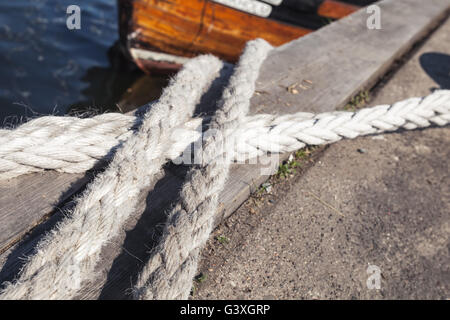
(138, 146)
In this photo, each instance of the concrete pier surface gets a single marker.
(381, 202)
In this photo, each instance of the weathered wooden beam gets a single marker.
(327, 68)
(29, 199)
(343, 57)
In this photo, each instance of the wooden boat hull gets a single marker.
(160, 35)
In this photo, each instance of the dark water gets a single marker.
(48, 69)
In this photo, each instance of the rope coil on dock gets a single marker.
(138, 147)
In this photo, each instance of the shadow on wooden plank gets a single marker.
(139, 241)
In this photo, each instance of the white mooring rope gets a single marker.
(74, 145)
(67, 256)
(138, 147)
(173, 264)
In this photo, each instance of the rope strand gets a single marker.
(171, 268)
(73, 145)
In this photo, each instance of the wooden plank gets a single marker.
(25, 201)
(342, 57)
(338, 60)
(243, 180)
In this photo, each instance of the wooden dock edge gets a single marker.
(328, 67)
(331, 66)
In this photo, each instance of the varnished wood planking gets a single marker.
(335, 9)
(338, 67)
(188, 28)
(162, 22)
(225, 31)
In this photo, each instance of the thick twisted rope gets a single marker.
(75, 145)
(65, 144)
(67, 256)
(171, 268)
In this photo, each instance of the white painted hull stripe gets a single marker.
(274, 2)
(251, 6)
(156, 56)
